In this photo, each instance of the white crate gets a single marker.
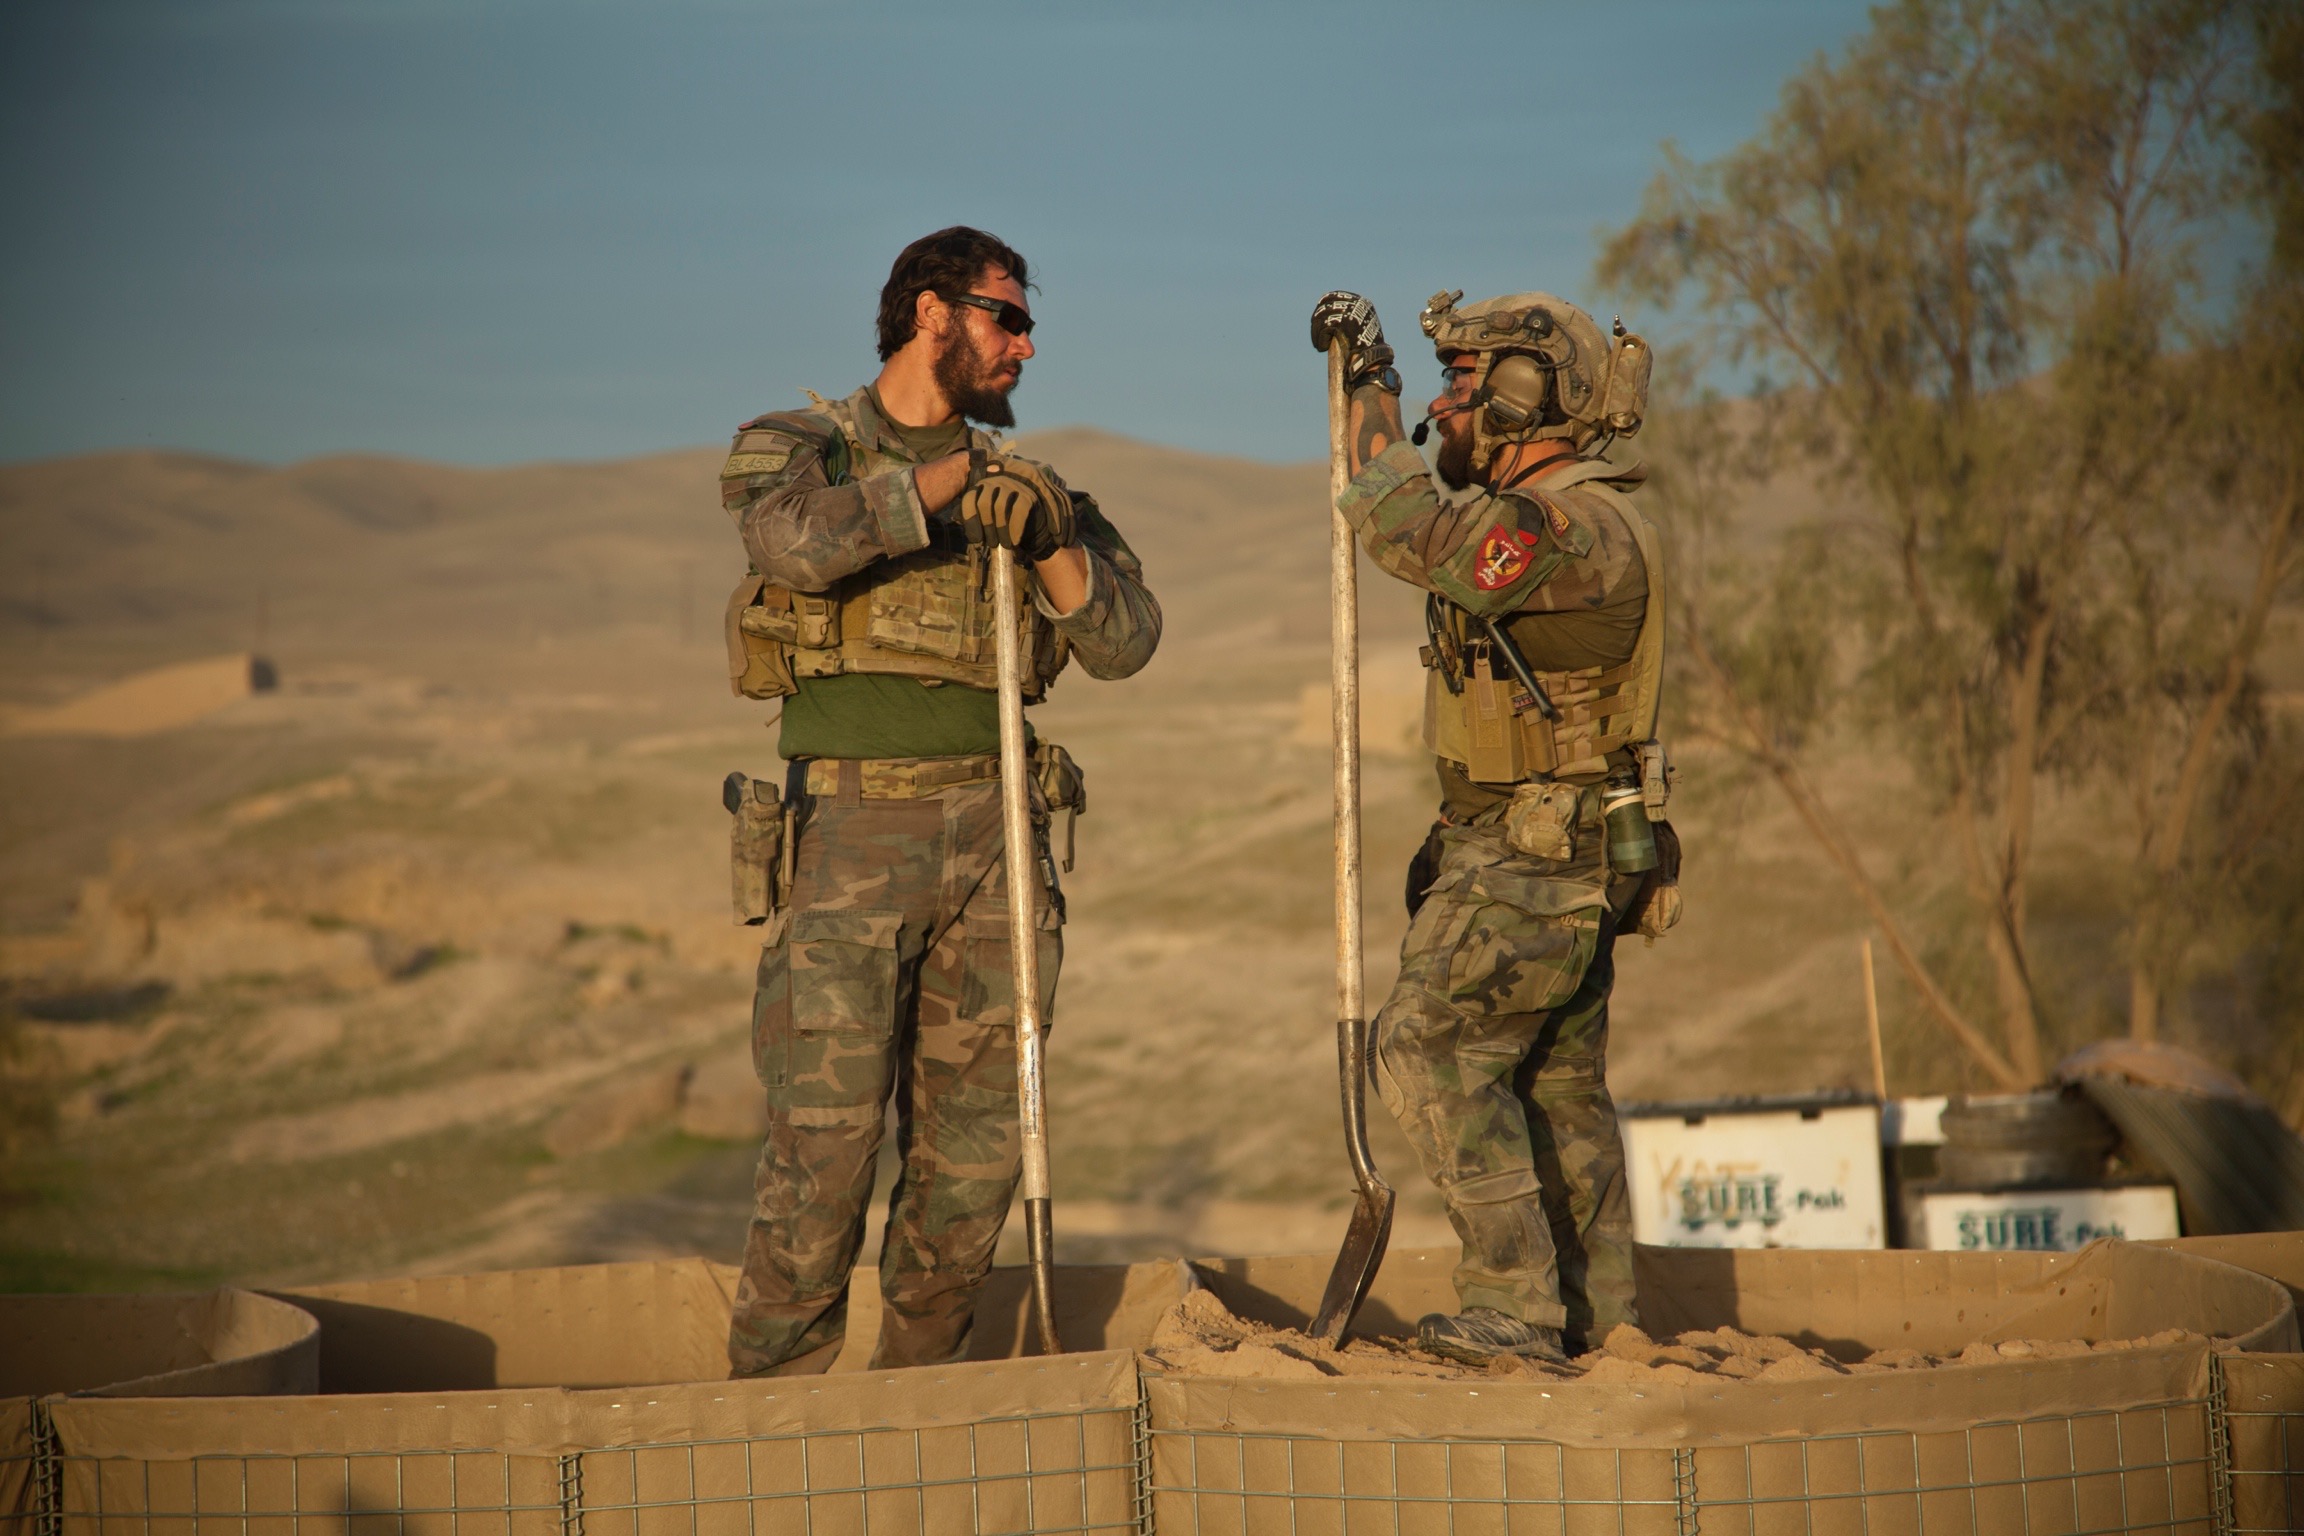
(1762, 1176)
(2045, 1220)
(1913, 1122)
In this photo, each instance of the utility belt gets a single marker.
(764, 838)
(894, 778)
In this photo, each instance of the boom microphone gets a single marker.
(1424, 427)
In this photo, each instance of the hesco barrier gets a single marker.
(580, 1400)
(1027, 1445)
(205, 1344)
(208, 1344)
(539, 1403)
(2127, 1441)
(2263, 1393)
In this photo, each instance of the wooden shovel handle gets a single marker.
(1024, 946)
(1344, 700)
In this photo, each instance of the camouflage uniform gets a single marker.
(888, 972)
(1492, 1050)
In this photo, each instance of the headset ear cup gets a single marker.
(1517, 387)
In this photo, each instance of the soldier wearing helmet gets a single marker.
(1544, 609)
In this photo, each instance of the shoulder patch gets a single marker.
(1572, 535)
(1503, 559)
(755, 463)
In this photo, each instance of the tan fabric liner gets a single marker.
(204, 1343)
(554, 1421)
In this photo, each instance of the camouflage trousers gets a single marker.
(1492, 1054)
(891, 980)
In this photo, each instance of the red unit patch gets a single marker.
(1502, 560)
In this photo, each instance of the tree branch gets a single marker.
(1826, 830)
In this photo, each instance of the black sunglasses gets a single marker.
(1015, 319)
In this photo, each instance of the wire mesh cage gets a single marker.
(396, 1493)
(2134, 1469)
(2263, 1412)
(1071, 1472)
(1055, 1473)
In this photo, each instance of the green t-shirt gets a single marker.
(868, 714)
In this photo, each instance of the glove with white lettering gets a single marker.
(1346, 315)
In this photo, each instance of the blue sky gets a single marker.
(492, 231)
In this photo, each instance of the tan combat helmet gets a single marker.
(1542, 369)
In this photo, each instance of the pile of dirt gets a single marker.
(1199, 1337)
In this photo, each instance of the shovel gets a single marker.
(1024, 949)
(1371, 1225)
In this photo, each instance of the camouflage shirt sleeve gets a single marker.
(1490, 554)
(1117, 626)
(805, 522)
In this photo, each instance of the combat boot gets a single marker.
(1478, 1335)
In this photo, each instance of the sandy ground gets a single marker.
(420, 960)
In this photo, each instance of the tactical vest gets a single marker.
(928, 614)
(1475, 712)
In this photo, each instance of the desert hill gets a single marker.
(422, 958)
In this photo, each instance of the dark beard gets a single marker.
(1453, 463)
(960, 371)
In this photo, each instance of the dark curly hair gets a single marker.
(946, 264)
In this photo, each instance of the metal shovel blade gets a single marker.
(1370, 1229)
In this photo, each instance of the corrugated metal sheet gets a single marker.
(2235, 1166)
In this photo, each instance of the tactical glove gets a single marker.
(1353, 318)
(1018, 505)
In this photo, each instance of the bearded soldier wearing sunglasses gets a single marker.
(877, 870)
(1544, 609)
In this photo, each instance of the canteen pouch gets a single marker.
(1062, 785)
(755, 846)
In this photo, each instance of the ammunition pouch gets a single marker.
(759, 838)
(759, 653)
(1493, 729)
(927, 615)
